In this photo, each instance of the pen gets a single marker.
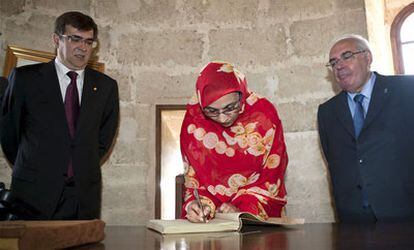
(199, 204)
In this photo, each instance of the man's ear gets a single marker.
(369, 58)
(56, 40)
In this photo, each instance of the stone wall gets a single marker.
(392, 8)
(154, 48)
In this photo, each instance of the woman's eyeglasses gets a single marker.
(229, 109)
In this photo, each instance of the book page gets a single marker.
(216, 240)
(184, 226)
(230, 216)
(251, 219)
(285, 221)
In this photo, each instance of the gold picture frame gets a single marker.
(17, 56)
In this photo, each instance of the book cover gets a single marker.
(212, 240)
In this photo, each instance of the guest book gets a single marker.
(222, 222)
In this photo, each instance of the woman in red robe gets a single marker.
(233, 149)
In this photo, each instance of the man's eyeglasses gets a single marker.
(229, 109)
(76, 40)
(344, 57)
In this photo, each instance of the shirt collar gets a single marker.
(63, 70)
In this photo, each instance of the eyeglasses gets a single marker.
(76, 40)
(229, 109)
(344, 57)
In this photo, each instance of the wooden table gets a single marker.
(318, 236)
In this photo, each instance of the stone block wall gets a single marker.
(155, 48)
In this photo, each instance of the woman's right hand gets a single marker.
(195, 214)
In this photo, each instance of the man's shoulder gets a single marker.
(330, 103)
(28, 74)
(400, 83)
(395, 79)
(99, 75)
(31, 68)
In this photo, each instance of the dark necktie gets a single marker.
(71, 110)
(359, 114)
(358, 123)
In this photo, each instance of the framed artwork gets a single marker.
(17, 56)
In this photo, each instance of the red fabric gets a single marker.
(218, 79)
(243, 164)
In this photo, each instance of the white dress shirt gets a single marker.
(64, 80)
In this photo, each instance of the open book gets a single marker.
(221, 222)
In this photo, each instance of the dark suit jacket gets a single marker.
(3, 85)
(381, 160)
(35, 137)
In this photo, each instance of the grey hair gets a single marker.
(360, 42)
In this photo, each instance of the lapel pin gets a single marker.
(95, 89)
(385, 91)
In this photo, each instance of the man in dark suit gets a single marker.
(58, 120)
(367, 136)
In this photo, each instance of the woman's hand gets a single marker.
(227, 208)
(195, 214)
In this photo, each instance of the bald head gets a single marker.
(351, 58)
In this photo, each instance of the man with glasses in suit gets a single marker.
(58, 121)
(366, 132)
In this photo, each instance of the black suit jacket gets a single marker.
(381, 160)
(35, 137)
(3, 85)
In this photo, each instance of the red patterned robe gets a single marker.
(243, 164)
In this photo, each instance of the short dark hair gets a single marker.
(76, 19)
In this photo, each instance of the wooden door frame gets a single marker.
(158, 149)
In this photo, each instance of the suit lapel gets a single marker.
(343, 113)
(51, 83)
(50, 86)
(89, 91)
(379, 98)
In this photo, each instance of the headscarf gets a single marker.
(243, 164)
(218, 79)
